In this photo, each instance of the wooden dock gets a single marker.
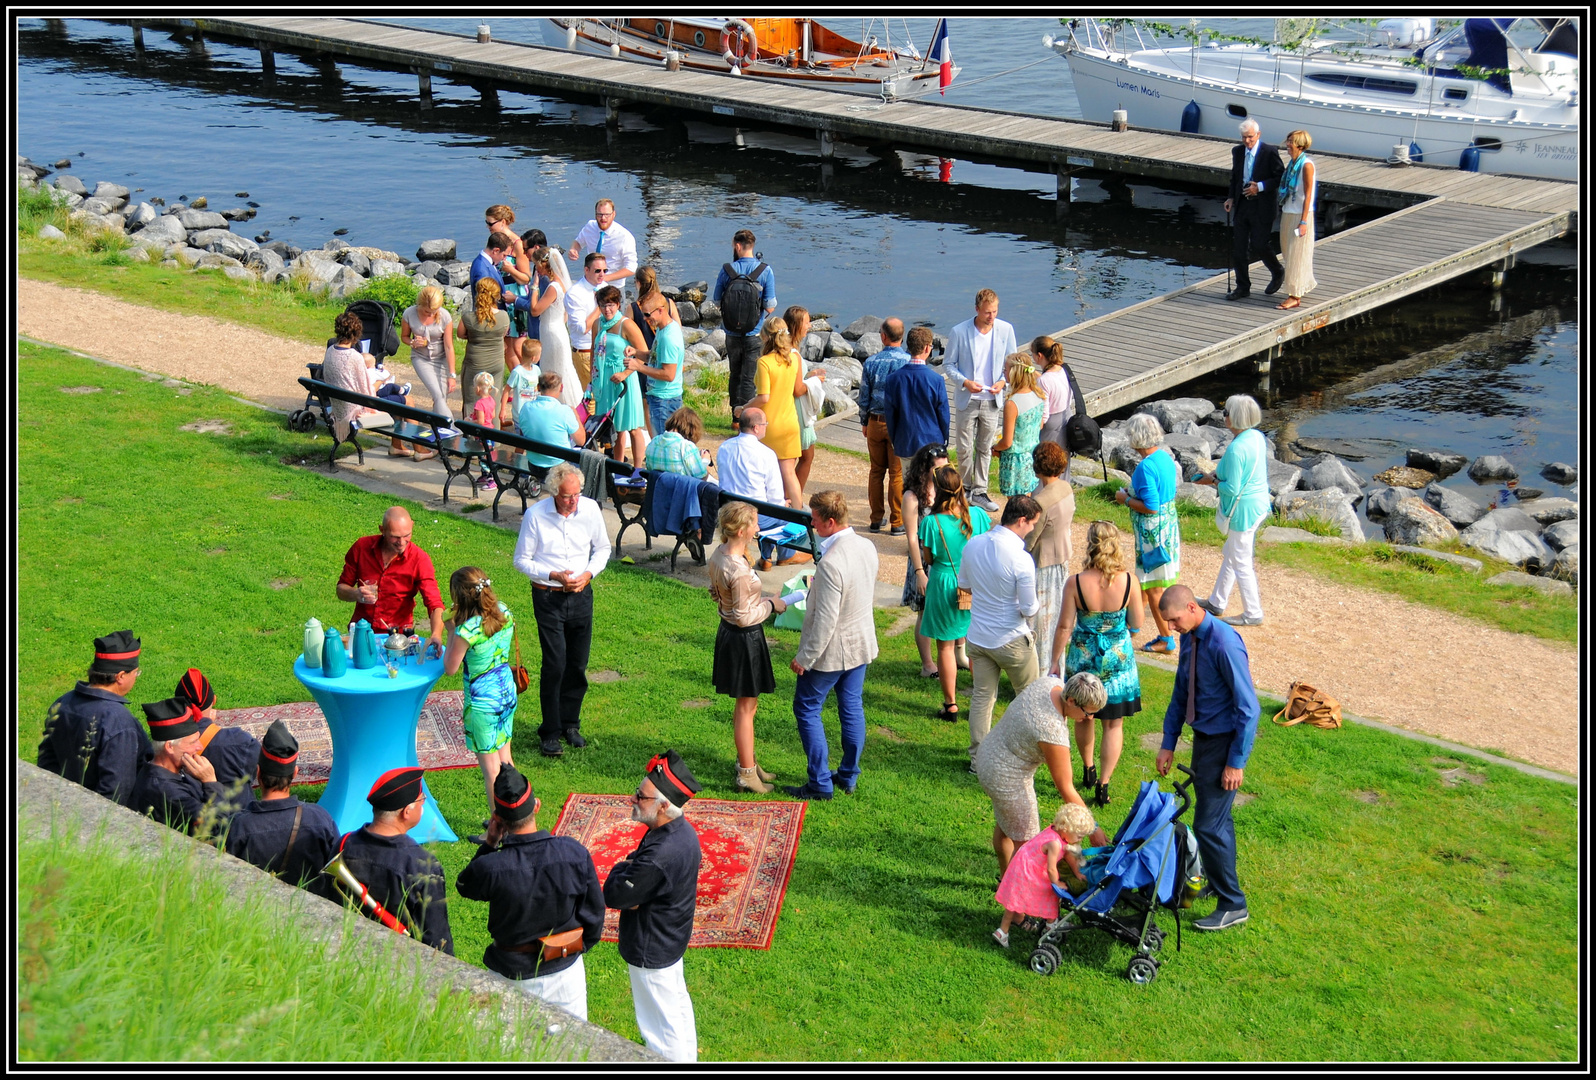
(1447, 223)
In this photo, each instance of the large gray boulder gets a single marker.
(455, 274)
(1119, 454)
(71, 184)
(429, 270)
(1201, 494)
(716, 340)
(288, 251)
(264, 260)
(703, 355)
(688, 312)
(386, 268)
(1566, 565)
(1559, 473)
(114, 192)
(240, 273)
(436, 251)
(819, 324)
(335, 245)
(210, 260)
(1332, 505)
(1500, 535)
(1561, 535)
(867, 346)
(837, 345)
(709, 311)
(200, 219)
(1514, 579)
(1411, 521)
(355, 261)
(1171, 411)
(99, 222)
(140, 216)
(813, 347)
(1439, 462)
(864, 324)
(317, 270)
(839, 401)
(1463, 562)
(50, 232)
(1549, 511)
(1455, 506)
(1283, 478)
(456, 296)
(843, 371)
(1382, 500)
(1328, 471)
(223, 242)
(96, 205)
(1488, 467)
(1511, 517)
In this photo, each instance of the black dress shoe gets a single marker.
(1274, 284)
(807, 792)
(479, 838)
(551, 748)
(1238, 294)
(574, 737)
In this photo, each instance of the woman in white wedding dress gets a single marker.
(550, 309)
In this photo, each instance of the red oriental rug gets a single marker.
(440, 736)
(749, 849)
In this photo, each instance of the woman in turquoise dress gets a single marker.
(1023, 414)
(481, 637)
(943, 534)
(1102, 607)
(615, 379)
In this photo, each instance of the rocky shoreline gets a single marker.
(1539, 535)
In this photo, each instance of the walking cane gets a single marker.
(1228, 266)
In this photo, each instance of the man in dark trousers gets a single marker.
(232, 751)
(1214, 696)
(277, 832)
(178, 787)
(400, 874)
(90, 735)
(656, 890)
(545, 908)
(1255, 172)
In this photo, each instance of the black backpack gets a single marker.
(1081, 433)
(743, 301)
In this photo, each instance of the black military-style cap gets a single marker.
(171, 719)
(279, 751)
(395, 789)
(196, 688)
(513, 798)
(670, 774)
(116, 652)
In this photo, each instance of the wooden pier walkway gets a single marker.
(1448, 222)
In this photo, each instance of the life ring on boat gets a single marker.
(738, 44)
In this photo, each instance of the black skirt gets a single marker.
(742, 661)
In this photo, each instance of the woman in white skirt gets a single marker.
(1297, 190)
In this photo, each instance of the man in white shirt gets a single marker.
(977, 349)
(747, 467)
(604, 236)
(562, 547)
(1001, 578)
(580, 302)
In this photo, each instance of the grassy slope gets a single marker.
(1436, 923)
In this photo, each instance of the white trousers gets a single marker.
(1236, 568)
(567, 989)
(664, 1011)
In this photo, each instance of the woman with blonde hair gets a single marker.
(481, 636)
(808, 403)
(1054, 385)
(943, 534)
(482, 326)
(1022, 426)
(742, 656)
(426, 327)
(1102, 606)
(776, 385)
(1296, 193)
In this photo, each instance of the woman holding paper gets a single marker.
(742, 657)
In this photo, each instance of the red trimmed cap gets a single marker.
(513, 798)
(116, 652)
(279, 751)
(670, 774)
(195, 688)
(171, 719)
(395, 789)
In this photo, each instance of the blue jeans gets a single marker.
(768, 548)
(659, 411)
(810, 695)
(1216, 832)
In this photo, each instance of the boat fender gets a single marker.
(739, 44)
(1414, 152)
(1191, 119)
(570, 37)
(1470, 161)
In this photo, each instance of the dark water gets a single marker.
(1456, 368)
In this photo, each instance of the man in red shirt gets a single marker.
(382, 574)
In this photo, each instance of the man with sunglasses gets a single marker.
(580, 304)
(90, 735)
(915, 400)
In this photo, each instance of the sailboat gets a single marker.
(1493, 95)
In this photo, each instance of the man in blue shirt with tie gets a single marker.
(1215, 696)
(1255, 172)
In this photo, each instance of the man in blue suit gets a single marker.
(486, 264)
(916, 409)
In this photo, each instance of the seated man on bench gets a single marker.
(747, 467)
(548, 420)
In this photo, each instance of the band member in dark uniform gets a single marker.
(232, 751)
(545, 908)
(656, 890)
(90, 735)
(1255, 172)
(178, 787)
(277, 832)
(400, 874)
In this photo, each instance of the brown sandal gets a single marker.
(1288, 303)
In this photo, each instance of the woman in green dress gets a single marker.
(943, 534)
(481, 636)
(613, 385)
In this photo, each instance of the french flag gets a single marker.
(941, 52)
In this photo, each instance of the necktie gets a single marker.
(1248, 170)
(1191, 681)
(600, 249)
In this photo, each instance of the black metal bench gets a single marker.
(810, 545)
(456, 452)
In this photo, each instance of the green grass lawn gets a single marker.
(1394, 917)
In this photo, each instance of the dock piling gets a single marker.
(828, 146)
(424, 84)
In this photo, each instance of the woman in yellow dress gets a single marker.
(775, 383)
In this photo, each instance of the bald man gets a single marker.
(382, 574)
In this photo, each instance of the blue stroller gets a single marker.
(1129, 881)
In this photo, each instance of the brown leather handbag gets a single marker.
(517, 669)
(1309, 705)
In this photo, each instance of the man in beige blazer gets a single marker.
(838, 643)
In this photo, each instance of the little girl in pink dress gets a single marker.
(1027, 886)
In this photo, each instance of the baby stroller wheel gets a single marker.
(1155, 938)
(1142, 970)
(1046, 959)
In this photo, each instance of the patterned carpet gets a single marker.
(749, 849)
(440, 738)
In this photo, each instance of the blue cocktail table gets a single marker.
(373, 719)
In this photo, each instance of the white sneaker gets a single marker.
(1001, 936)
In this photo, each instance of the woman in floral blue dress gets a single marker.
(481, 635)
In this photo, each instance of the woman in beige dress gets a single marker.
(1297, 191)
(1049, 542)
(1035, 729)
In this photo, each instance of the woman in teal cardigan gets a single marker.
(1242, 476)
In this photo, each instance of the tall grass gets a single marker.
(136, 959)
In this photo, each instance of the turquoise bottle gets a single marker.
(334, 662)
(363, 646)
(314, 636)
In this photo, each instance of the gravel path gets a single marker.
(1381, 656)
